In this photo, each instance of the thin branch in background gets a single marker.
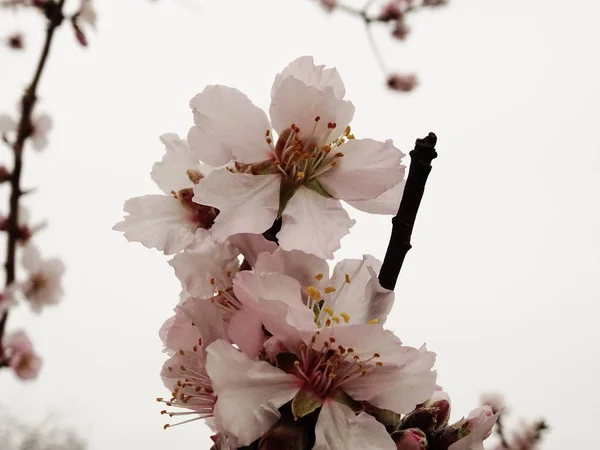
(393, 13)
(404, 221)
(54, 14)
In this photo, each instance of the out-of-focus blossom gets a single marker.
(43, 286)
(410, 439)
(434, 3)
(298, 177)
(87, 12)
(495, 401)
(402, 82)
(475, 429)
(329, 5)
(41, 125)
(22, 359)
(7, 299)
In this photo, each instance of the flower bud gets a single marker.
(411, 439)
(401, 82)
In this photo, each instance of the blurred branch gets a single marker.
(54, 14)
(392, 12)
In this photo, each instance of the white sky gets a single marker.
(503, 278)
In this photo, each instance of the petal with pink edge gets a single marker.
(247, 203)
(339, 428)
(249, 392)
(313, 224)
(228, 126)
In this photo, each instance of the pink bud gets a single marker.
(15, 41)
(411, 439)
(391, 11)
(402, 83)
(401, 30)
(329, 5)
(80, 35)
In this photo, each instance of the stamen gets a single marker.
(347, 278)
(319, 276)
(345, 316)
(330, 289)
(373, 321)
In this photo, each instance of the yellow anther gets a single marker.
(297, 363)
(300, 175)
(331, 376)
(339, 155)
(319, 276)
(347, 131)
(373, 321)
(379, 363)
(336, 319)
(350, 136)
(345, 316)
(329, 289)
(328, 310)
(313, 293)
(347, 278)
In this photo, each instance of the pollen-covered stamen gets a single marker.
(193, 392)
(330, 367)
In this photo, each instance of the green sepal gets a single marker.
(343, 398)
(318, 188)
(305, 402)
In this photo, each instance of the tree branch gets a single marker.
(404, 221)
(54, 14)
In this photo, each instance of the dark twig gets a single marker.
(54, 14)
(403, 222)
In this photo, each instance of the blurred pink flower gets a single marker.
(24, 362)
(43, 286)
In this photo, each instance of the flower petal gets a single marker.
(228, 126)
(304, 69)
(161, 222)
(301, 266)
(386, 203)
(7, 124)
(313, 224)
(339, 428)
(247, 203)
(474, 440)
(205, 268)
(249, 392)
(296, 103)
(252, 245)
(368, 169)
(358, 292)
(171, 173)
(245, 331)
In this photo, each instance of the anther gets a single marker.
(319, 276)
(181, 352)
(345, 316)
(373, 321)
(317, 118)
(347, 278)
(339, 155)
(379, 363)
(328, 310)
(329, 289)
(376, 355)
(166, 425)
(212, 280)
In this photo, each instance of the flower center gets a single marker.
(328, 369)
(302, 161)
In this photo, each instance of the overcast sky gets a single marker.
(503, 278)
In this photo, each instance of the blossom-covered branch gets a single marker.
(391, 13)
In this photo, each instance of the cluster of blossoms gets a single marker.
(269, 345)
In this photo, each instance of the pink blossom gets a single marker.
(22, 359)
(173, 221)
(7, 298)
(43, 286)
(87, 12)
(363, 361)
(301, 175)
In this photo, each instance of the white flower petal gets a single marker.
(368, 169)
(386, 203)
(339, 428)
(252, 245)
(313, 224)
(296, 264)
(247, 203)
(245, 331)
(170, 174)
(249, 392)
(304, 69)
(228, 126)
(474, 440)
(31, 259)
(161, 222)
(204, 268)
(363, 299)
(296, 103)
